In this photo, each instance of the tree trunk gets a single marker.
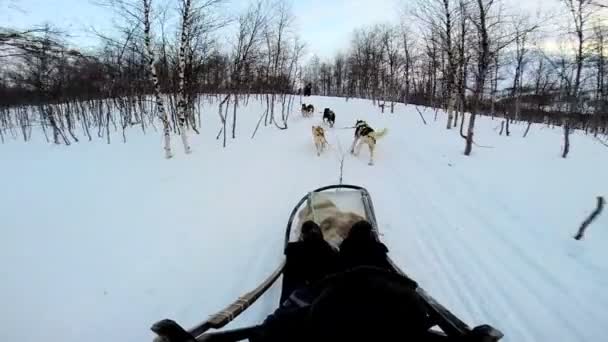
(470, 130)
(527, 129)
(68, 117)
(236, 103)
(566, 139)
(181, 104)
(451, 104)
(225, 120)
(108, 119)
(482, 67)
(157, 94)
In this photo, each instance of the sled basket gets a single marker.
(347, 199)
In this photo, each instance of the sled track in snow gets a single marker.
(500, 270)
(497, 268)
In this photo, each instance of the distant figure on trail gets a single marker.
(308, 89)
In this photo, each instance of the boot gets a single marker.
(311, 232)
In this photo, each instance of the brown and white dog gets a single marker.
(318, 137)
(307, 110)
(334, 223)
(364, 134)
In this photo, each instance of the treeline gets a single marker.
(463, 56)
(475, 56)
(151, 68)
(261, 57)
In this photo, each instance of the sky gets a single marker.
(324, 25)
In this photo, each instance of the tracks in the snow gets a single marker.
(491, 274)
(474, 252)
(340, 153)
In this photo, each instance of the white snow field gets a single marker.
(100, 241)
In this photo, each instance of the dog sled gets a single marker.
(350, 202)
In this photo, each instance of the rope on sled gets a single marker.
(341, 156)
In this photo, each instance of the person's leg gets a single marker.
(361, 248)
(305, 259)
(311, 231)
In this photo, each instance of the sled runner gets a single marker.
(334, 208)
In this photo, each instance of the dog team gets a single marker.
(364, 134)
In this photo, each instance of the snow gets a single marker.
(100, 241)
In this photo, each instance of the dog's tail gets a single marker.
(379, 134)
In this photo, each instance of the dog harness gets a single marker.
(364, 131)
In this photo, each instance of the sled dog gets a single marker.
(329, 116)
(318, 137)
(307, 110)
(364, 134)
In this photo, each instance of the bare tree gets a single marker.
(522, 29)
(251, 26)
(463, 60)
(151, 57)
(600, 39)
(483, 58)
(407, 46)
(581, 11)
(390, 48)
(438, 15)
(181, 105)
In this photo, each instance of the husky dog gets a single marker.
(318, 137)
(307, 110)
(329, 116)
(364, 134)
(335, 224)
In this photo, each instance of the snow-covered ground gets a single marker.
(100, 241)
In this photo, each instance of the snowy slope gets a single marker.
(100, 241)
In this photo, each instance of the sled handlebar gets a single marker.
(225, 316)
(173, 332)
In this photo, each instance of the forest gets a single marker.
(461, 57)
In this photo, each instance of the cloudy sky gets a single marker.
(325, 25)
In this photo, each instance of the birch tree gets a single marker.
(151, 57)
(407, 46)
(181, 105)
(580, 11)
(522, 29)
(483, 58)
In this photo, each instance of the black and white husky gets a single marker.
(364, 134)
(307, 110)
